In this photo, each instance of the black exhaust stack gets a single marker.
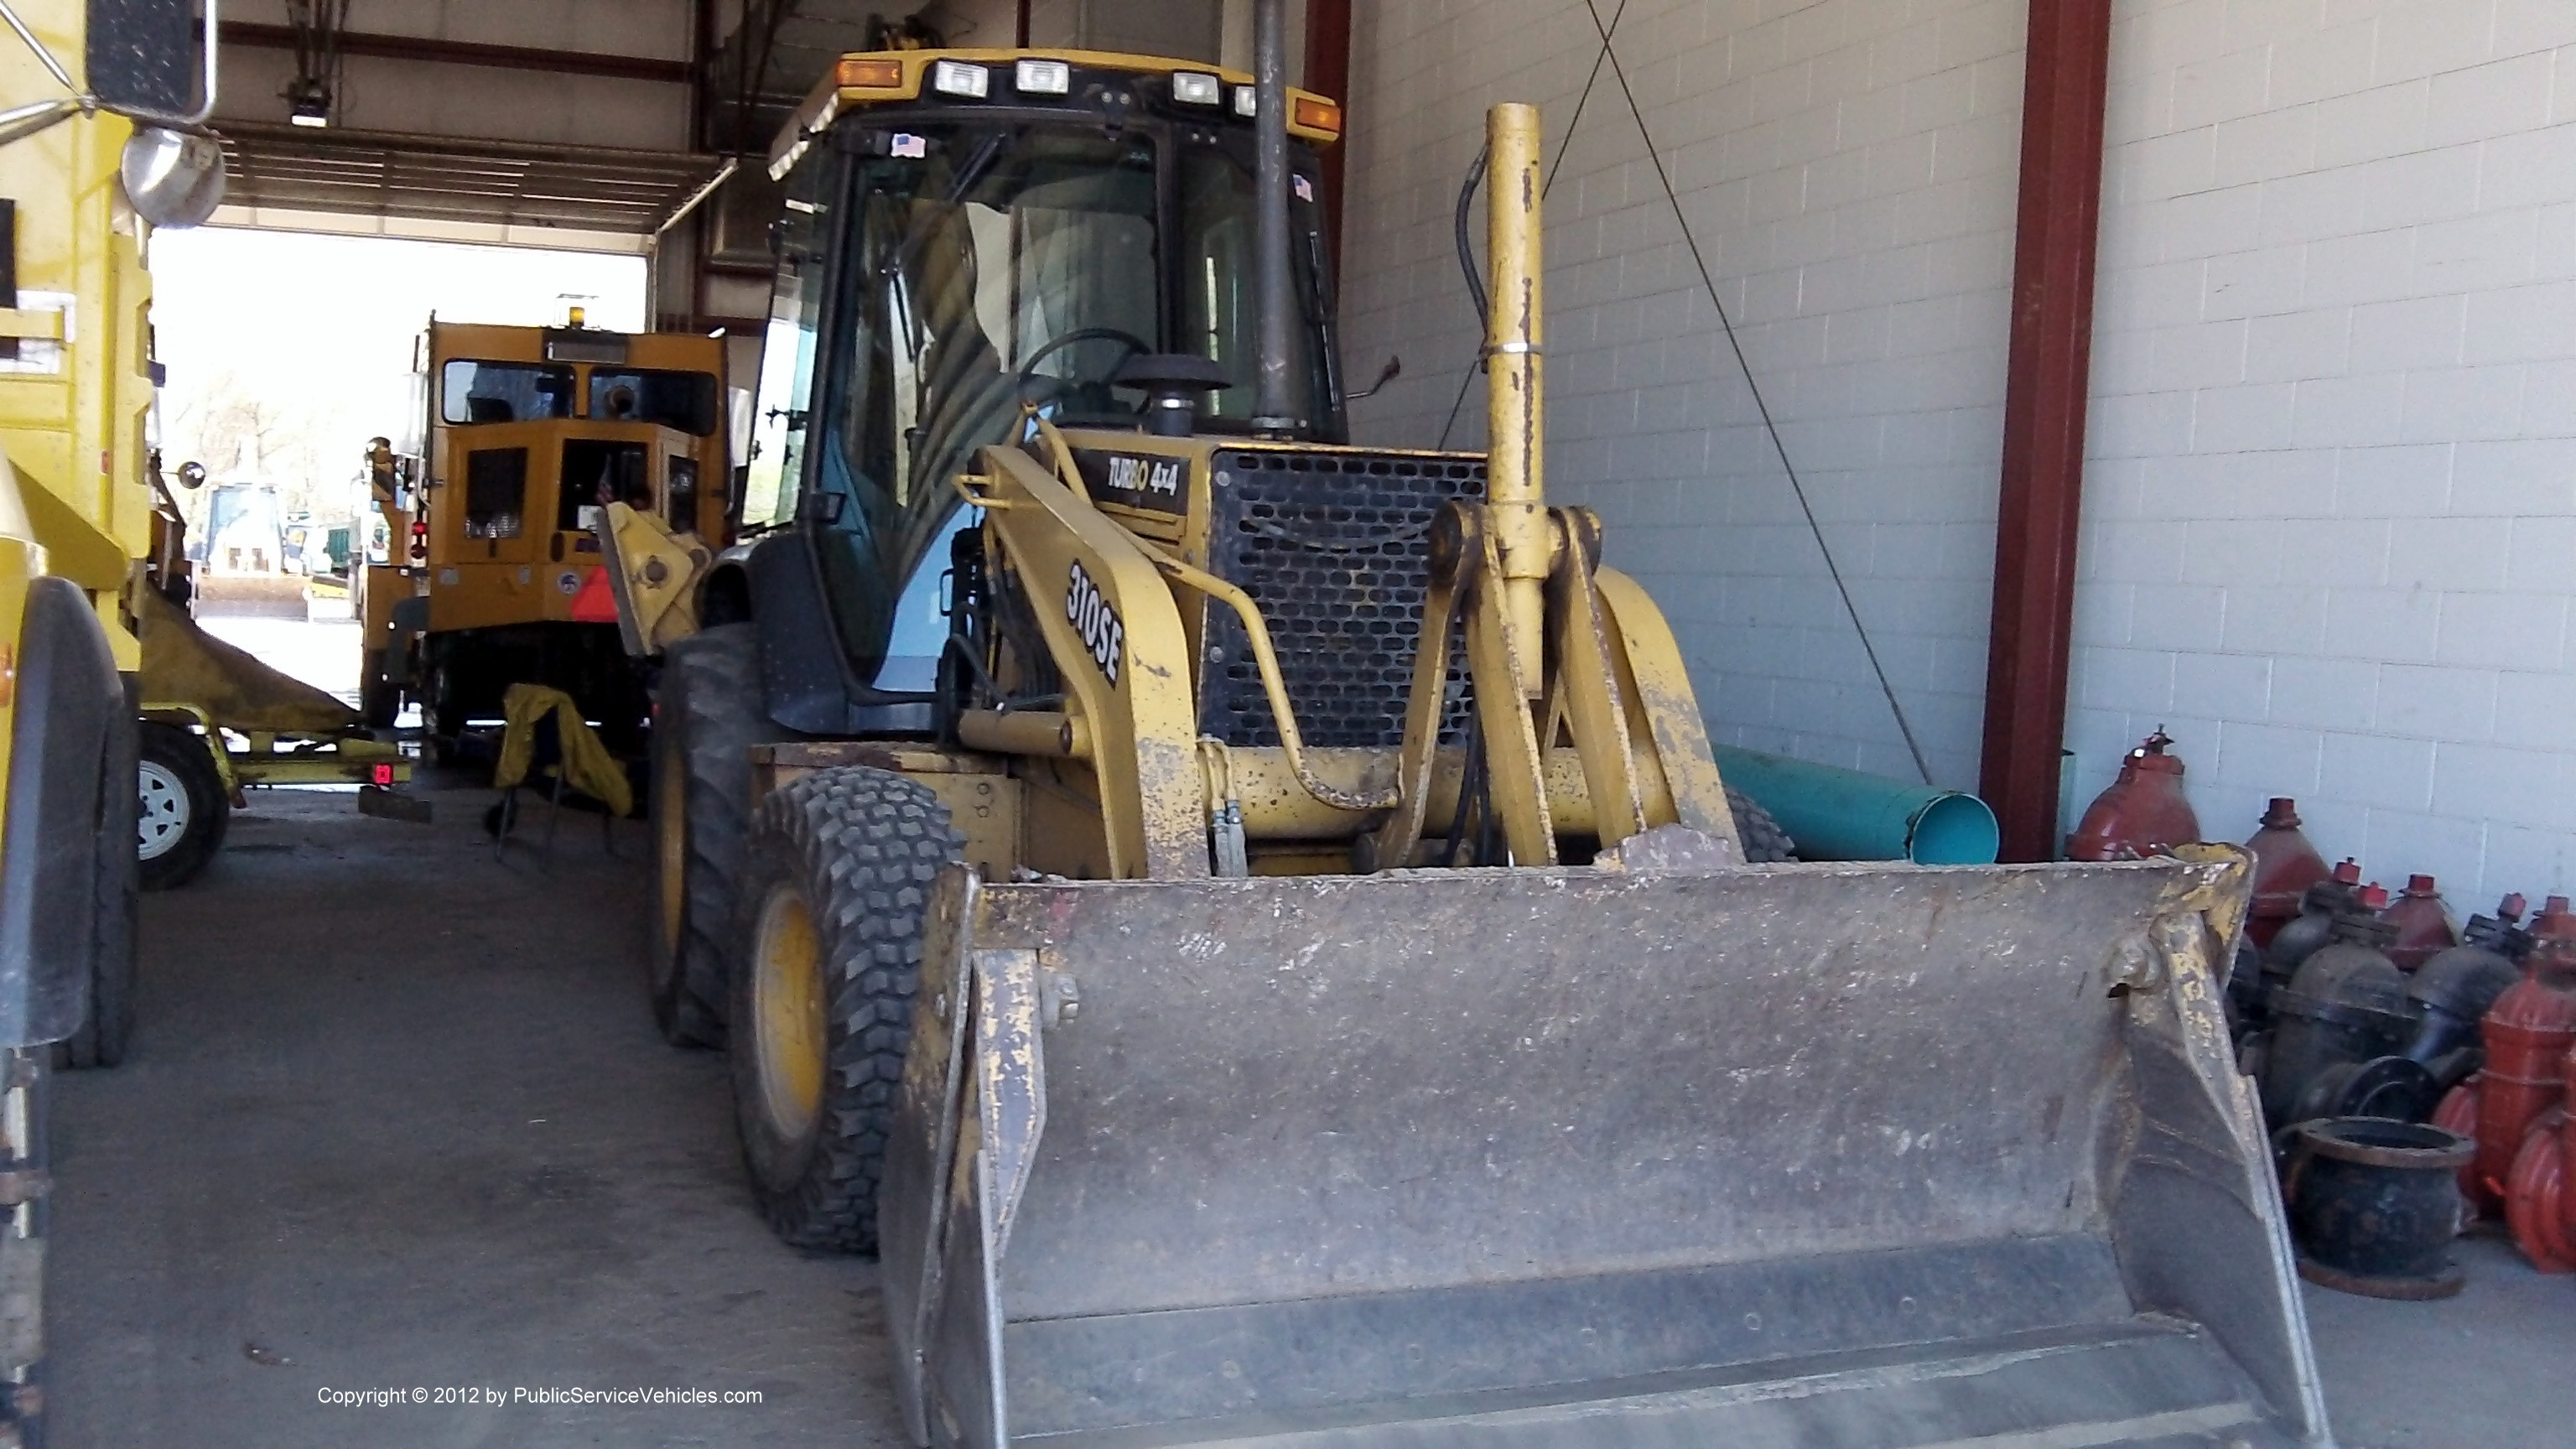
(1274, 393)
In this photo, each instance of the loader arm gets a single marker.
(1117, 641)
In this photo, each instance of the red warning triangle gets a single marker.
(597, 602)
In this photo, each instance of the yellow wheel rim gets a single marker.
(671, 849)
(787, 1011)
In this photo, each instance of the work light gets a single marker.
(957, 78)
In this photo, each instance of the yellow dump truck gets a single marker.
(493, 569)
(96, 147)
(83, 187)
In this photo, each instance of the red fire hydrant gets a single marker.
(2285, 865)
(2537, 1205)
(2527, 1034)
(2423, 923)
(2142, 814)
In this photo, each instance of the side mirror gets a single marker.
(192, 475)
(142, 55)
(1394, 369)
(174, 179)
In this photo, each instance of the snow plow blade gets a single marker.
(1847, 1155)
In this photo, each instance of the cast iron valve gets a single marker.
(2346, 1006)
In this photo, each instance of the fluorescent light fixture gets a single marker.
(1196, 88)
(1243, 102)
(1043, 77)
(308, 102)
(957, 78)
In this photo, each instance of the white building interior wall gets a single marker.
(2332, 496)
(2332, 507)
(1846, 168)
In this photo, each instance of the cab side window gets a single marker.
(782, 406)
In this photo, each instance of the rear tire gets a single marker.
(183, 807)
(836, 881)
(711, 715)
(1765, 843)
(109, 1022)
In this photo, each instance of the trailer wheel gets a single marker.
(379, 694)
(709, 717)
(182, 812)
(836, 881)
(101, 1040)
(1765, 843)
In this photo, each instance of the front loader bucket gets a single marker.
(1834, 1155)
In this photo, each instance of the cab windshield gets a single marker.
(991, 262)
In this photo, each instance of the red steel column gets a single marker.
(1328, 74)
(2045, 395)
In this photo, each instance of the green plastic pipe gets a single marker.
(1838, 814)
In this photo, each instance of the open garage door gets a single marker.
(275, 172)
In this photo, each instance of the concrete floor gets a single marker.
(396, 1117)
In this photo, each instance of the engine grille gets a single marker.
(1335, 548)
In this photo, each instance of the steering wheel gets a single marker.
(1134, 345)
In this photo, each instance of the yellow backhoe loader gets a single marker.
(1250, 928)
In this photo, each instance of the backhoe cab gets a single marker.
(1251, 928)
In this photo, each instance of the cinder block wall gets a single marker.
(1847, 169)
(2332, 529)
(2332, 503)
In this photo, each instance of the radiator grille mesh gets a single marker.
(1335, 548)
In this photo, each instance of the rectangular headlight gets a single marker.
(957, 78)
(1243, 100)
(1196, 88)
(1043, 78)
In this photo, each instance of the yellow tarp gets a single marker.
(587, 764)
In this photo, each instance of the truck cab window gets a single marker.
(504, 392)
(682, 400)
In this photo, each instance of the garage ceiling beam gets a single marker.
(2046, 388)
(458, 52)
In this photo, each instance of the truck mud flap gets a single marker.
(1857, 1155)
